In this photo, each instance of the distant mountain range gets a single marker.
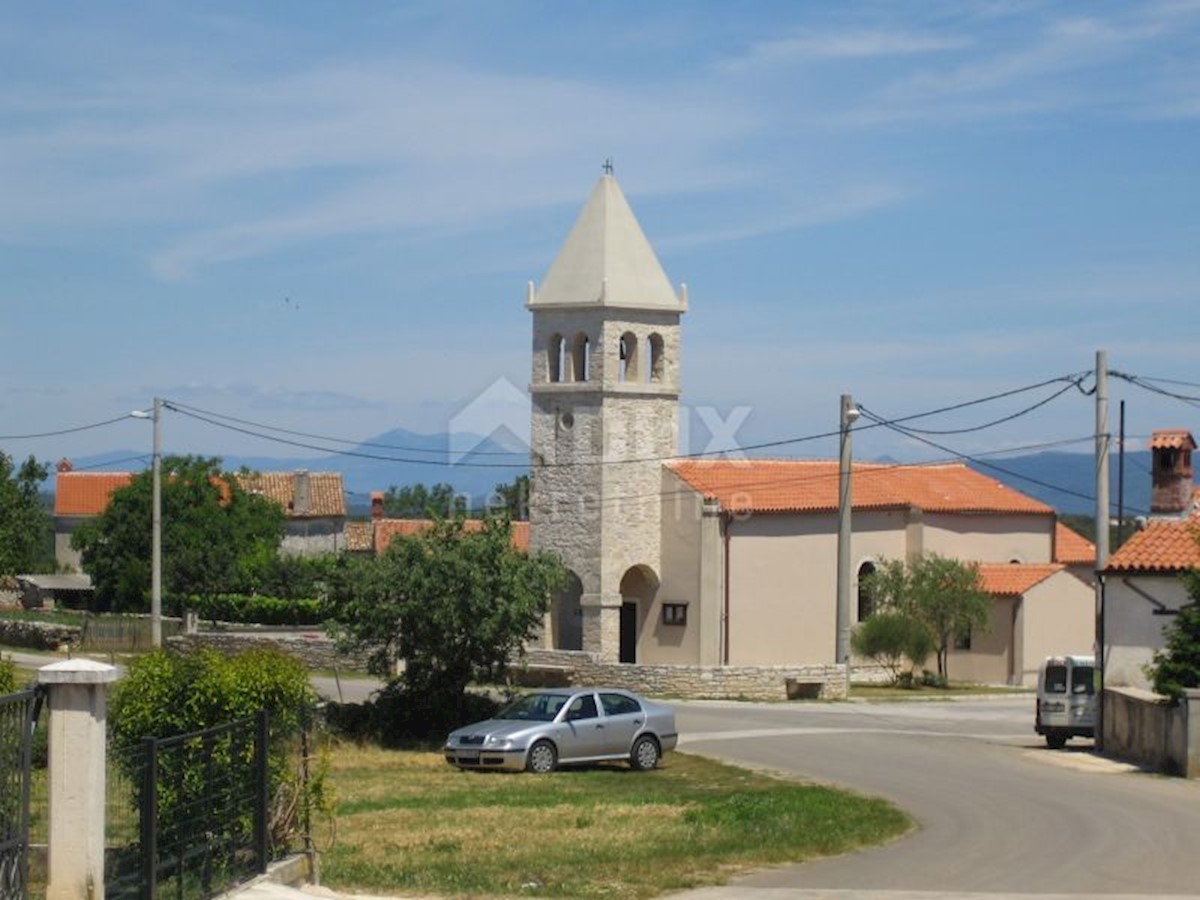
(476, 465)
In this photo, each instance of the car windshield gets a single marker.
(534, 707)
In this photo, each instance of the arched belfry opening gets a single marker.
(639, 585)
(581, 355)
(628, 355)
(556, 358)
(654, 348)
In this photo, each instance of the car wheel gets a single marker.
(542, 758)
(645, 754)
(1056, 741)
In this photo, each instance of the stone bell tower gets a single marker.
(605, 392)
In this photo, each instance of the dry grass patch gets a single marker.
(409, 823)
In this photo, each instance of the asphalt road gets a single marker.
(997, 813)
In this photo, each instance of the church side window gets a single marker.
(866, 605)
(629, 357)
(654, 371)
(556, 355)
(582, 356)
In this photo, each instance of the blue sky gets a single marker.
(323, 216)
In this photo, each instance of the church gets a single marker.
(710, 563)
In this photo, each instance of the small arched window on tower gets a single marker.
(581, 355)
(556, 356)
(629, 357)
(654, 346)
(866, 603)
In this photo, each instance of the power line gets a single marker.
(1147, 385)
(994, 422)
(62, 431)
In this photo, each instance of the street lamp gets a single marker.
(156, 525)
(849, 416)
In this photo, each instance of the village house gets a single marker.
(1144, 587)
(732, 562)
(372, 537)
(314, 507)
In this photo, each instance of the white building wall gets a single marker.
(1134, 623)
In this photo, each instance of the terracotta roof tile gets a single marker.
(1015, 579)
(326, 498)
(360, 537)
(1071, 547)
(1169, 546)
(86, 493)
(811, 486)
(1168, 438)
(386, 530)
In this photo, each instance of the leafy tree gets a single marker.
(455, 605)
(891, 638)
(416, 501)
(1177, 666)
(25, 528)
(944, 595)
(209, 527)
(513, 498)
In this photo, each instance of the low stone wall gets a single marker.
(37, 635)
(1149, 729)
(313, 648)
(700, 682)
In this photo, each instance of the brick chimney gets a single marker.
(301, 493)
(1171, 472)
(376, 504)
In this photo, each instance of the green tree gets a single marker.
(944, 595)
(893, 640)
(210, 526)
(25, 528)
(453, 604)
(1177, 666)
(513, 498)
(416, 501)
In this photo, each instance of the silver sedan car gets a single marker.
(539, 732)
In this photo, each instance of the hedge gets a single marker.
(257, 609)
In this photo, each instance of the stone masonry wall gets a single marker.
(313, 649)
(825, 682)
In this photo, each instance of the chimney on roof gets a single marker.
(1171, 472)
(65, 465)
(301, 494)
(376, 504)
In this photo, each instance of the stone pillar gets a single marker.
(76, 768)
(1191, 697)
(602, 626)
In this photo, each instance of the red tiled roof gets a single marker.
(1015, 579)
(812, 486)
(1071, 547)
(326, 498)
(360, 537)
(1170, 546)
(1168, 438)
(388, 529)
(86, 493)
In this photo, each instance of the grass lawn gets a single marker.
(407, 822)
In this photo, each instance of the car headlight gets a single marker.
(499, 742)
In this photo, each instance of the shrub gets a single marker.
(1177, 666)
(890, 638)
(166, 695)
(398, 715)
(8, 676)
(255, 609)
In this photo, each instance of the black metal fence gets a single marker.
(202, 802)
(18, 715)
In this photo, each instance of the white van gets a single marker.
(1066, 699)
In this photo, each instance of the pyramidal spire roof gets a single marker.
(606, 260)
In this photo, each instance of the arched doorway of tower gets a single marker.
(638, 587)
(566, 615)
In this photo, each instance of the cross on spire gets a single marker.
(608, 166)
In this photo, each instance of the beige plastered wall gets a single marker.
(682, 572)
(1132, 631)
(1058, 617)
(990, 538)
(990, 659)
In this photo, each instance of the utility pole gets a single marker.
(156, 534)
(1102, 504)
(849, 415)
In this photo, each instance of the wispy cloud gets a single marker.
(810, 46)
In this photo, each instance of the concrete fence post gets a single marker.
(76, 769)
(1191, 698)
